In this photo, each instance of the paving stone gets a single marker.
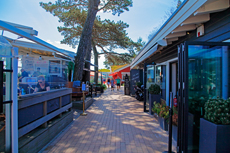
(115, 123)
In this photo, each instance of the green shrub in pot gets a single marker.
(156, 107)
(161, 109)
(154, 89)
(164, 112)
(217, 111)
(103, 86)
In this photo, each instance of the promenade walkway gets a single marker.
(115, 124)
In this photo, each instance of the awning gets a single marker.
(113, 74)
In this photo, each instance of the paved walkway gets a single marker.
(115, 123)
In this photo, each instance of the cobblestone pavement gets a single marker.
(115, 124)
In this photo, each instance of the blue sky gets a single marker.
(142, 18)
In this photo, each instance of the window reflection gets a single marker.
(33, 68)
(208, 77)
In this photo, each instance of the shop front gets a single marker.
(189, 56)
(34, 99)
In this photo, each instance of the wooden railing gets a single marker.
(37, 109)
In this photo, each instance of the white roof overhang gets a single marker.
(9, 27)
(38, 49)
(145, 56)
(187, 17)
(27, 29)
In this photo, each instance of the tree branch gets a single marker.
(104, 6)
(106, 52)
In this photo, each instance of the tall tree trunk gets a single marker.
(95, 62)
(87, 64)
(85, 39)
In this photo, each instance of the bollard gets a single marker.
(83, 103)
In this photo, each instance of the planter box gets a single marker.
(163, 123)
(214, 138)
(174, 132)
(153, 98)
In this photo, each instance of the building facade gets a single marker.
(189, 56)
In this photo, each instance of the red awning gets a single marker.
(113, 74)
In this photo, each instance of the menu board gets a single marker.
(136, 75)
(28, 63)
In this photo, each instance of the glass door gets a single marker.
(203, 74)
(5, 96)
(149, 78)
(8, 97)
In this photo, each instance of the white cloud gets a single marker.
(61, 46)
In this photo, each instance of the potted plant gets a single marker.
(163, 115)
(154, 95)
(215, 126)
(103, 87)
(156, 109)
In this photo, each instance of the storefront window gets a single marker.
(158, 75)
(40, 73)
(208, 77)
(150, 75)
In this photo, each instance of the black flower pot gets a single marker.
(153, 98)
(214, 138)
(102, 90)
(163, 123)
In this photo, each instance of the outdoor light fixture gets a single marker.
(40, 58)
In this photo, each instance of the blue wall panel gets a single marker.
(52, 105)
(65, 100)
(29, 114)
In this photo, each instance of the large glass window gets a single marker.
(208, 77)
(150, 75)
(5, 113)
(40, 73)
(158, 75)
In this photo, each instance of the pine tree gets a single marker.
(64, 9)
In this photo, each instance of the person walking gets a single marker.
(112, 84)
(108, 82)
(118, 80)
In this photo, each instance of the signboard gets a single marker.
(136, 75)
(83, 88)
(28, 63)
